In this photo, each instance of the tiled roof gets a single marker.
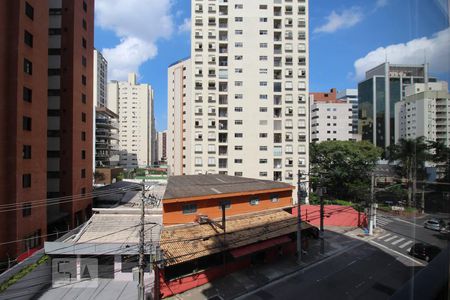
(188, 242)
(213, 184)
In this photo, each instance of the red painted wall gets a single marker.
(334, 215)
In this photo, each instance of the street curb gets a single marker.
(299, 269)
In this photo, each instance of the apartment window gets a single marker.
(83, 154)
(84, 24)
(83, 117)
(263, 83)
(263, 135)
(83, 135)
(189, 209)
(262, 148)
(26, 210)
(263, 174)
(238, 135)
(263, 58)
(263, 20)
(263, 109)
(263, 32)
(26, 180)
(226, 203)
(84, 43)
(85, 6)
(262, 71)
(211, 161)
(238, 173)
(263, 161)
(27, 94)
(26, 123)
(83, 61)
(238, 148)
(83, 98)
(26, 152)
(198, 161)
(27, 66)
(83, 79)
(238, 161)
(29, 10)
(238, 57)
(263, 6)
(254, 201)
(238, 19)
(263, 97)
(28, 39)
(238, 44)
(238, 6)
(211, 148)
(83, 173)
(198, 148)
(238, 32)
(238, 83)
(274, 198)
(238, 122)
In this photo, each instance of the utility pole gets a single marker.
(372, 196)
(141, 286)
(157, 264)
(320, 193)
(299, 220)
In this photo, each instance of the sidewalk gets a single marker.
(335, 241)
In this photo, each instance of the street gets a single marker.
(371, 270)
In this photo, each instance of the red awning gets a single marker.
(242, 251)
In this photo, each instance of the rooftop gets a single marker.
(216, 184)
(182, 243)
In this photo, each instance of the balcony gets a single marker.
(223, 48)
(223, 150)
(223, 10)
(223, 124)
(223, 99)
(223, 112)
(277, 176)
(223, 137)
(277, 11)
(277, 24)
(223, 23)
(277, 164)
(277, 100)
(277, 138)
(223, 163)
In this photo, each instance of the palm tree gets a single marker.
(410, 156)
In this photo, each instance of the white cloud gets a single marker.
(133, 21)
(185, 26)
(346, 19)
(435, 49)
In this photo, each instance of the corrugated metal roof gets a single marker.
(213, 184)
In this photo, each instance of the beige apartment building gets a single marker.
(133, 103)
(249, 107)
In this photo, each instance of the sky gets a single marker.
(347, 38)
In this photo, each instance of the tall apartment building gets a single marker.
(383, 87)
(250, 88)
(162, 147)
(424, 112)
(46, 142)
(106, 125)
(331, 119)
(350, 96)
(133, 103)
(23, 111)
(179, 118)
(70, 107)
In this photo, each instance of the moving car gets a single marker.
(434, 224)
(424, 251)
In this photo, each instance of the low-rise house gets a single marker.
(218, 224)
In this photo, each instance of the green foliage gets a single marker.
(22, 273)
(344, 167)
(120, 177)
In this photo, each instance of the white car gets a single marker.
(434, 224)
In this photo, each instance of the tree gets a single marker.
(410, 156)
(344, 167)
(441, 156)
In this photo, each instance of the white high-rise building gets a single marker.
(350, 96)
(249, 97)
(100, 79)
(179, 118)
(424, 112)
(133, 103)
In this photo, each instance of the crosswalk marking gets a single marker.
(382, 237)
(405, 244)
(391, 238)
(397, 241)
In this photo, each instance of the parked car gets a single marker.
(434, 224)
(424, 251)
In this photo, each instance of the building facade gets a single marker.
(46, 152)
(133, 103)
(23, 107)
(250, 73)
(384, 86)
(424, 112)
(351, 96)
(331, 122)
(179, 118)
(162, 147)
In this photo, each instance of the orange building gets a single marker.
(189, 197)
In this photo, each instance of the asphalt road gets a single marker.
(372, 270)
